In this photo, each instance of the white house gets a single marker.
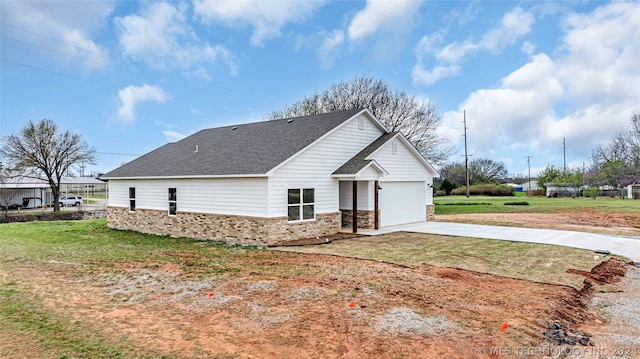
(271, 181)
(633, 191)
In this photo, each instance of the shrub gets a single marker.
(465, 204)
(440, 193)
(517, 203)
(485, 190)
(447, 186)
(592, 192)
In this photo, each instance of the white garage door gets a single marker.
(402, 202)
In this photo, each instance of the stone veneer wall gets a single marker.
(366, 218)
(222, 227)
(431, 212)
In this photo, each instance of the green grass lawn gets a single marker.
(92, 243)
(486, 204)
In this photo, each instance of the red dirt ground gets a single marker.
(286, 305)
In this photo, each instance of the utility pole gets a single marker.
(529, 165)
(564, 153)
(466, 156)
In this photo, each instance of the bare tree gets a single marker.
(621, 155)
(624, 145)
(40, 147)
(487, 170)
(481, 170)
(414, 118)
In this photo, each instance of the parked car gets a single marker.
(70, 201)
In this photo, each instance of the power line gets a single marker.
(529, 165)
(54, 72)
(64, 54)
(466, 156)
(564, 153)
(118, 154)
(206, 90)
(46, 37)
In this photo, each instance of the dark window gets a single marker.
(132, 199)
(173, 201)
(301, 204)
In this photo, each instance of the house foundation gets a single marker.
(257, 231)
(431, 212)
(365, 219)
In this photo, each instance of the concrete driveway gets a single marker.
(625, 246)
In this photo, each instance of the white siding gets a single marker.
(369, 173)
(313, 167)
(403, 166)
(234, 196)
(366, 195)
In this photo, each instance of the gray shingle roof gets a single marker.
(252, 148)
(359, 161)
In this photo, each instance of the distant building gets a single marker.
(563, 189)
(32, 193)
(530, 186)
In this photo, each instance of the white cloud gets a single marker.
(384, 24)
(382, 15)
(609, 72)
(524, 99)
(49, 25)
(424, 76)
(266, 17)
(584, 93)
(131, 95)
(173, 136)
(512, 27)
(528, 48)
(162, 37)
(328, 49)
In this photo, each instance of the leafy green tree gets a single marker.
(447, 186)
(616, 173)
(552, 174)
(549, 175)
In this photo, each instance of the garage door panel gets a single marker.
(402, 202)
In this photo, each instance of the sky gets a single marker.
(549, 80)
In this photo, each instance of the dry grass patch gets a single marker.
(534, 262)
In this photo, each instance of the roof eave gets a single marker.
(253, 175)
(361, 112)
(378, 167)
(413, 150)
